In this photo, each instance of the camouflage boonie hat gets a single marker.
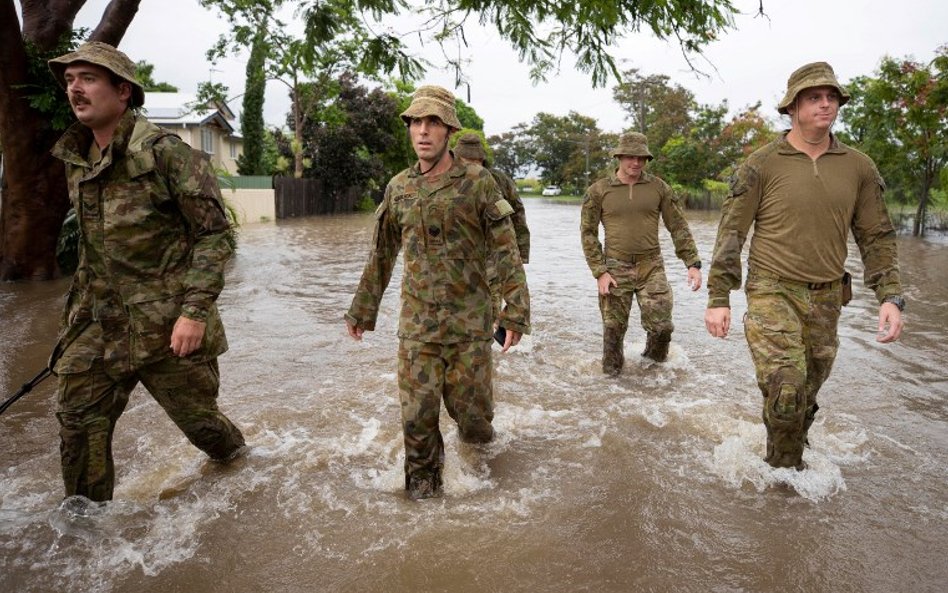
(433, 100)
(106, 56)
(809, 76)
(632, 144)
(469, 147)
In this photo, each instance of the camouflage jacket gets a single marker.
(447, 227)
(802, 212)
(519, 217)
(633, 223)
(152, 248)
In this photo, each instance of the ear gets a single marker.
(125, 91)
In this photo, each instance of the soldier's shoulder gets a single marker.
(856, 154)
(764, 153)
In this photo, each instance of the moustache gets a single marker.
(78, 100)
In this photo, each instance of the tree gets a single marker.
(511, 153)
(145, 73)
(344, 141)
(568, 150)
(899, 117)
(35, 198)
(252, 126)
(655, 106)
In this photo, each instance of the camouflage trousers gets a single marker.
(459, 374)
(645, 281)
(791, 332)
(91, 402)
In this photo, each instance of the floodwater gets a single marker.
(649, 482)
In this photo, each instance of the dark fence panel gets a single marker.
(305, 197)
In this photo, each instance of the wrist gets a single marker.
(895, 299)
(695, 264)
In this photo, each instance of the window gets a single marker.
(207, 140)
(233, 149)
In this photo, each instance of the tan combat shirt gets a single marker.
(802, 211)
(629, 214)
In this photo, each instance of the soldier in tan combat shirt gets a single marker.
(449, 219)
(803, 193)
(151, 264)
(628, 204)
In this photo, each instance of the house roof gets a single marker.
(183, 110)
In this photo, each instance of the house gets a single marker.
(211, 128)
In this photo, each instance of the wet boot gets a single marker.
(613, 357)
(807, 422)
(423, 484)
(785, 439)
(656, 346)
(477, 435)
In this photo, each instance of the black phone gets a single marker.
(500, 335)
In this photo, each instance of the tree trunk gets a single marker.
(35, 199)
(918, 228)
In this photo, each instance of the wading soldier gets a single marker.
(803, 193)
(628, 204)
(152, 250)
(450, 220)
(470, 151)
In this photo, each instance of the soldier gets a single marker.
(470, 151)
(447, 217)
(628, 204)
(803, 193)
(151, 264)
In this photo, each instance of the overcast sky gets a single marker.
(749, 63)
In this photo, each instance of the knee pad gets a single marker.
(785, 403)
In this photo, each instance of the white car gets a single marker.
(551, 190)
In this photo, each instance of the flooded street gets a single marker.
(649, 482)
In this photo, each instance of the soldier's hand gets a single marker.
(354, 332)
(890, 323)
(605, 282)
(718, 321)
(694, 278)
(186, 336)
(513, 338)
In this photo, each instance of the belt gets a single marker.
(636, 257)
(809, 285)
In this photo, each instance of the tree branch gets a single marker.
(45, 21)
(117, 17)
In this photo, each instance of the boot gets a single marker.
(423, 484)
(807, 422)
(613, 357)
(656, 346)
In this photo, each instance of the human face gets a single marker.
(97, 102)
(429, 138)
(631, 166)
(815, 108)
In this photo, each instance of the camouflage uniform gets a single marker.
(447, 226)
(638, 271)
(469, 146)
(802, 211)
(152, 248)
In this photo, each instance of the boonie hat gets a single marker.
(433, 100)
(809, 76)
(469, 147)
(106, 56)
(632, 144)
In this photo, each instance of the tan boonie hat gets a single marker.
(807, 77)
(433, 100)
(632, 144)
(106, 56)
(469, 147)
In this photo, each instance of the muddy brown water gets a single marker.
(649, 482)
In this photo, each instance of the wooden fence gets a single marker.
(305, 197)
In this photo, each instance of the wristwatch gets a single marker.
(897, 300)
(696, 265)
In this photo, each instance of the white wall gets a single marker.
(252, 205)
